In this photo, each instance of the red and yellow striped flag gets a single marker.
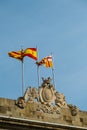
(18, 55)
(31, 52)
(47, 62)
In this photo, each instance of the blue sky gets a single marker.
(57, 26)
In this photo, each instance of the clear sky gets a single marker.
(57, 26)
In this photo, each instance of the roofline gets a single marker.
(38, 123)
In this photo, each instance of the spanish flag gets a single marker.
(18, 55)
(47, 62)
(31, 52)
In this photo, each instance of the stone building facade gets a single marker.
(41, 109)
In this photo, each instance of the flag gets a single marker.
(47, 62)
(31, 52)
(18, 55)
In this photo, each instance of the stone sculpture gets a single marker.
(46, 96)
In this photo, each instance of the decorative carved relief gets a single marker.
(74, 109)
(48, 99)
(60, 100)
(20, 102)
(47, 92)
(31, 94)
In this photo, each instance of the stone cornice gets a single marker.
(22, 124)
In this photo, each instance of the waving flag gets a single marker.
(18, 55)
(47, 62)
(31, 52)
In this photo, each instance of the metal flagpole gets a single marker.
(38, 72)
(53, 76)
(22, 72)
(22, 78)
(53, 72)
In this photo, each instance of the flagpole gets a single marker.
(22, 72)
(53, 77)
(53, 74)
(22, 78)
(38, 71)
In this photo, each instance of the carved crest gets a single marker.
(47, 92)
(47, 98)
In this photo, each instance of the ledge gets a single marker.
(22, 124)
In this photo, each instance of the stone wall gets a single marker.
(10, 109)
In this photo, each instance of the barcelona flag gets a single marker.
(46, 61)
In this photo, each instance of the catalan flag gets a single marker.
(18, 55)
(31, 52)
(47, 62)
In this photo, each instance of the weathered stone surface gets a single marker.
(8, 108)
(45, 105)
